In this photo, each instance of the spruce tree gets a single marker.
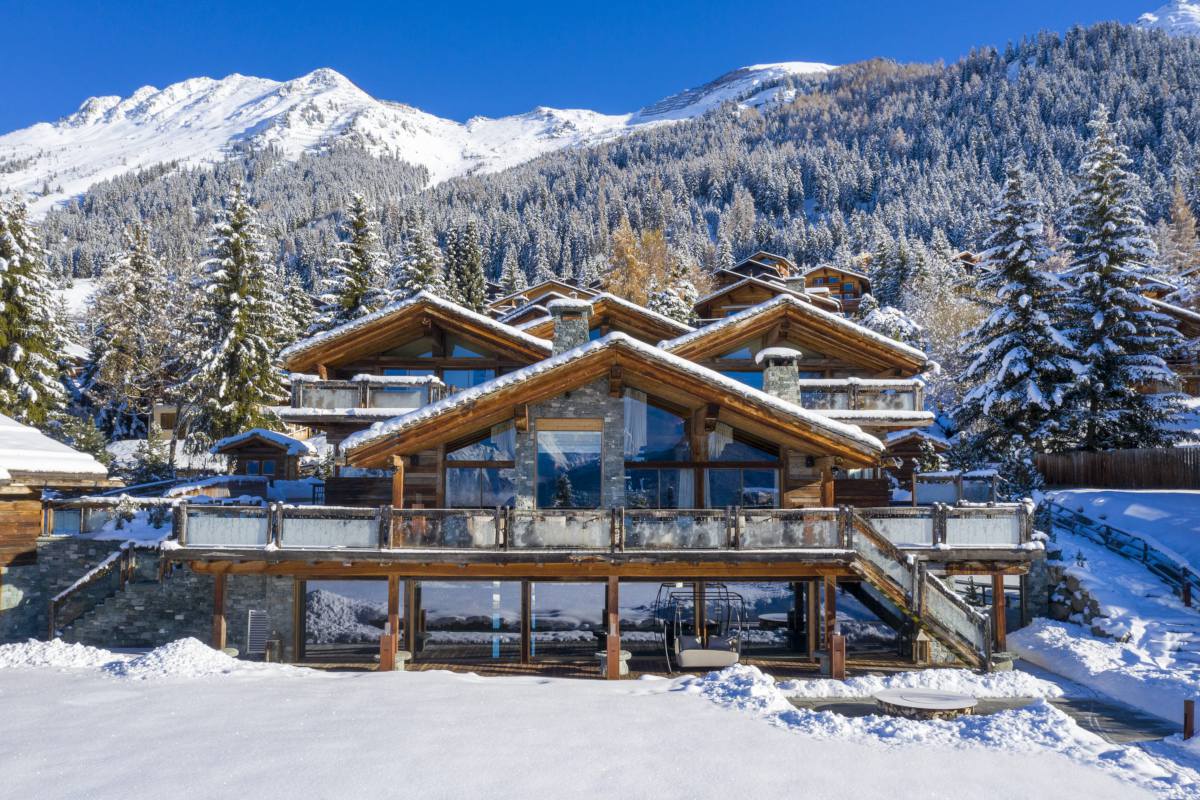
(1020, 365)
(238, 320)
(298, 310)
(422, 266)
(128, 373)
(353, 285)
(466, 282)
(1121, 339)
(31, 329)
(512, 277)
(677, 297)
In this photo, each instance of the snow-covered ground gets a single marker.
(184, 719)
(1152, 661)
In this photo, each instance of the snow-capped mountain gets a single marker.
(1179, 18)
(197, 120)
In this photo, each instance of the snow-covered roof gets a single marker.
(568, 304)
(310, 412)
(876, 417)
(851, 434)
(844, 270)
(295, 447)
(830, 319)
(539, 302)
(633, 307)
(773, 285)
(400, 306)
(870, 383)
(27, 454)
(389, 380)
(528, 290)
(920, 433)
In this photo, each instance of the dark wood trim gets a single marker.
(612, 627)
(526, 622)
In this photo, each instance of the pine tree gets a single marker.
(464, 268)
(422, 266)
(31, 329)
(564, 493)
(354, 281)
(298, 311)
(1020, 366)
(128, 373)
(512, 277)
(239, 321)
(677, 297)
(1120, 338)
(890, 321)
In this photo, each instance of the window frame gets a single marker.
(559, 424)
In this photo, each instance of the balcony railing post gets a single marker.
(737, 528)
(275, 524)
(179, 515)
(728, 525)
(509, 514)
(385, 527)
(498, 524)
(939, 523)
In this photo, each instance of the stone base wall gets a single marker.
(1070, 601)
(25, 591)
(149, 612)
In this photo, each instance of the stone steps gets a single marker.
(145, 615)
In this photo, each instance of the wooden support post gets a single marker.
(393, 607)
(830, 609)
(837, 657)
(1189, 719)
(299, 598)
(797, 615)
(701, 616)
(398, 482)
(218, 616)
(813, 617)
(526, 622)
(410, 616)
(612, 625)
(387, 652)
(999, 614)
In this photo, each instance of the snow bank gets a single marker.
(1168, 520)
(183, 658)
(996, 684)
(55, 653)
(1038, 727)
(1120, 670)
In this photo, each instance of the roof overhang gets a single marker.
(631, 363)
(405, 320)
(653, 326)
(829, 333)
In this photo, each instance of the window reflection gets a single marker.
(568, 469)
(653, 433)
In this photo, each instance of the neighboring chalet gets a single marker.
(844, 284)
(509, 302)
(30, 464)
(264, 453)
(755, 280)
(1186, 363)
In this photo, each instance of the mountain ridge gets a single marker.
(198, 120)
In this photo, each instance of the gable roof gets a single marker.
(657, 326)
(293, 447)
(370, 333)
(835, 268)
(31, 457)
(831, 333)
(539, 303)
(636, 364)
(539, 289)
(776, 287)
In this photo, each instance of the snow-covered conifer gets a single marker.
(677, 297)
(512, 277)
(239, 321)
(421, 267)
(1020, 365)
(466, 282)
(353, 285)
(31, 329)
(1120, 337)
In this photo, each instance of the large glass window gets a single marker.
(752, 378)
(750, 488)
(500, 444)
(659, 488)
(457, 348)
(653, 433)
(480, 487)
(569, 467)
(724, 445)
(408, 372)
(744, 353)
(458, 379)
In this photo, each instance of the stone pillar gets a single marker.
(570, 323)
(781, 373)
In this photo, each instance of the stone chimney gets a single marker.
(781, 373)
(570, 322)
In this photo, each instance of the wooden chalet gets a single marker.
(509, 302)
(844, 284)
(610, 314)
(264, 453)
(602, 458)
(1187, 362)
(747, 292)
(30, 464)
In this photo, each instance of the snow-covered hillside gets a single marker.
(1178, 18)
(197, 120)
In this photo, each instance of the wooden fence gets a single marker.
(1167, 468)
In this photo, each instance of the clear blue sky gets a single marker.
(458, 59)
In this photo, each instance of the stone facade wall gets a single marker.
(25, 591)
(148, 613)
(588, 402)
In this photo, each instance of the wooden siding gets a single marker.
(862, 493)
(20, 525)
(1168, 468)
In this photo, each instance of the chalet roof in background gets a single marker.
(293, 446)
(29, 456)
(607, 304)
